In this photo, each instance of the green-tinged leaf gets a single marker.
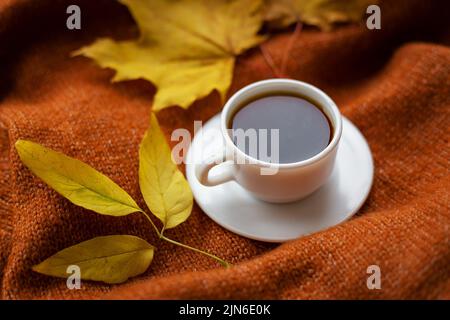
(111, 259)
(165, 190)
(76, 181)
(320, 13)
(187, 48)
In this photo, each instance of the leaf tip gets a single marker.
(77, 53)
(21, 145)
(156, 109)
(37, 268)
(154, 120)
(158, 105)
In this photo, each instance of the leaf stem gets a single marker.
(153, 224)
(287, 52)
(161, 236)
(281, 72)
(268, 59)
(221, 261)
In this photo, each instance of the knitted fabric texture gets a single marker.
(393, 83)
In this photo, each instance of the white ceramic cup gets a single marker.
(289, 181)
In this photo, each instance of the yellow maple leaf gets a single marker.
(187, 48)
(320, 13)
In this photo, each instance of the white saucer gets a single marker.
(233, 208)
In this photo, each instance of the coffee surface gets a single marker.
(304, 130)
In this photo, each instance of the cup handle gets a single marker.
(202, 171)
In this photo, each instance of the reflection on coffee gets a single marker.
(303, 128)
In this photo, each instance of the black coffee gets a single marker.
(303, 128)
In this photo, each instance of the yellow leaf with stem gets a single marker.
(164, 188)
(111, 259)
(75, 180)
(187, 48)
